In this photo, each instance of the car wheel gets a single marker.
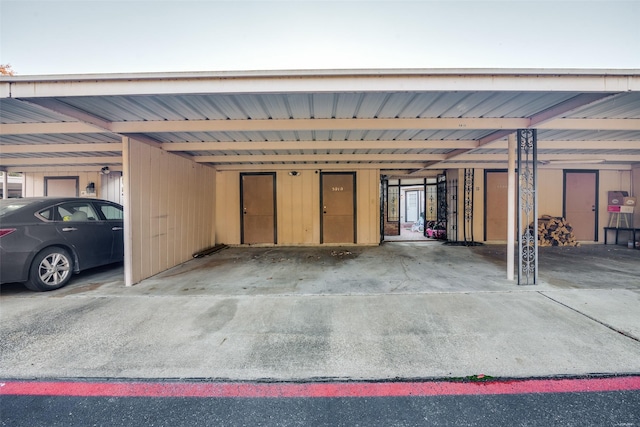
(51, 269)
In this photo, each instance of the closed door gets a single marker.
(338, 207)
(258, 215)
(496, 190)
(580, 202)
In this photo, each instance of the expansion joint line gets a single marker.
(591, 318)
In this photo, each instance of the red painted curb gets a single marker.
(349, 389)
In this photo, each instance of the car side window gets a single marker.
(47, 214)
(111, 212)
(75, 212)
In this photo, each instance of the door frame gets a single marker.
(275, 204)
(597, 199)
(355, 204)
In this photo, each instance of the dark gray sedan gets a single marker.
(44, 240)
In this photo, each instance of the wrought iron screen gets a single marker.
(527, 207)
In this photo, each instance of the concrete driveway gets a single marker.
(401, 310)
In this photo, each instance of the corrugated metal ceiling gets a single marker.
(282, 109)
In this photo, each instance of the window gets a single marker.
(74, 211)
(111, 212)
(393, 204)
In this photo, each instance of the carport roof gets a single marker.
(399, 121)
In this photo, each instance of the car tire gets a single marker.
(51, 269)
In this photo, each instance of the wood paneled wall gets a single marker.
(298, 206)
(169, 209)
(368, 214)
(34, 181)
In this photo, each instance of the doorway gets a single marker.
(408, 206)
(338, 203)
(258, 208)
(580, 203)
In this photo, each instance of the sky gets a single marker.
(131, 36)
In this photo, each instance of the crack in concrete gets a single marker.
(623, 333)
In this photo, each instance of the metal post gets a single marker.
(527, 207)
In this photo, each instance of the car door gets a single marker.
(114, 219)
(83, 230)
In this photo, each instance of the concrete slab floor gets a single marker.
(401, 310)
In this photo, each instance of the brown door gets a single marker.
(338, 207)
(496, 193)
(258, 215)
(580, 201)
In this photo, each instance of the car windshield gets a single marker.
(9, 205)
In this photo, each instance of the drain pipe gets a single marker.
(511, 205)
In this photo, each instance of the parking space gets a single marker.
(400, 310)
(393, 268)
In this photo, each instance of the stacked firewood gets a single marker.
(555, 231)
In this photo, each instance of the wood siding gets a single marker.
(170, 209)
(298, 207)
(368, 206)
(34, 182)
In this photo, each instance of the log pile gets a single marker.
(555, 231)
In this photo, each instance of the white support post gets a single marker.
(126, 202)
(511, 208)
(5, 185)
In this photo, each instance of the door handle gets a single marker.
(117, 228)
(69, 229)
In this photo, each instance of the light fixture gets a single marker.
(91, 188)
(294, 173)
(105, 170)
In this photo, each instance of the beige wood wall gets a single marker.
(551, 195)
(298, 207)
(169, 205)
(610, 180)
(34, 181)
(635, 192)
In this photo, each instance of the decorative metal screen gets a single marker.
(393, 203)
(468, 205)
(441, 182)
(452, 208)
(527, 207)
(432, 203)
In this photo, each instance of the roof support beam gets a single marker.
(59, 161)
(60, 148)
(319, 158)
(319, 166)
(569, 158)
(575, 145)
(318, 124)
(317, 145)
(506, 125)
